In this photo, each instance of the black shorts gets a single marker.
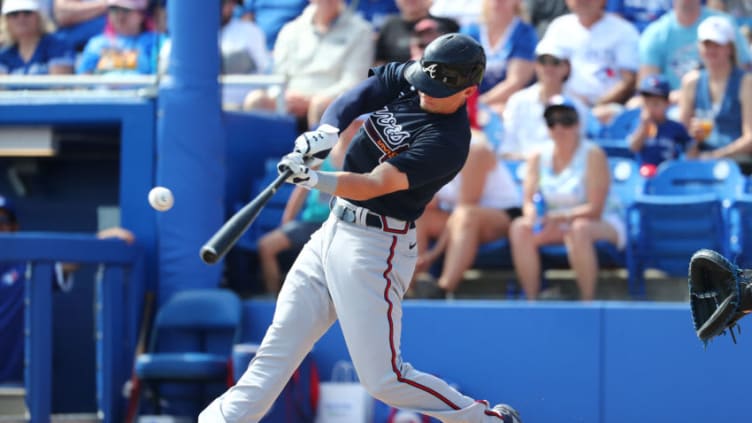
(299, 232)
(513, 212)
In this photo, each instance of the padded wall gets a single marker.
(601, 363)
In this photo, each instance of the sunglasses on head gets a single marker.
(20, 13)
(548, 60)
(566, 118)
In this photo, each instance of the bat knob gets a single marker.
(209, 255)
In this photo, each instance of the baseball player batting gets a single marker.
(357, 267)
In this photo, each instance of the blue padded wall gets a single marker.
(605, 362)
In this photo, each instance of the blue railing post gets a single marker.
(111, 340)
(38, 341)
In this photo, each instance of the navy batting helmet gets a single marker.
(450, 63)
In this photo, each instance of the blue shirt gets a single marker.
(672, 48)
(639, 12)
(669, 142)
(519, 44)
(118, 54)
(429, 148)
(727, 126)
(51, 50)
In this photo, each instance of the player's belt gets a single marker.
(361, 216)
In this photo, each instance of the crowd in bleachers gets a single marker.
(653, 81)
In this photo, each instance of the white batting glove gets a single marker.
(301, 174)
(316, 145)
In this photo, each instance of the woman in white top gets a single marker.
(573, 178)
(476, 207)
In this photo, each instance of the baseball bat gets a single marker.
(222, 240)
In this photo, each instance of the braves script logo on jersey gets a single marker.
(384, 131)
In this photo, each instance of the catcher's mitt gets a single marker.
(715, 286)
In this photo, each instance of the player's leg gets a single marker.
(580, 243)
(469, 227)
(304, 313)
(269, 246)
(367, 292)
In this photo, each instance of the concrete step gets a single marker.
(612, 285)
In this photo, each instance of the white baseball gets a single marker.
(161, 198)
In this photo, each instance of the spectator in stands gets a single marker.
(130, 49)
(716, 102)
(525, 129)
(323, 52)
(80, 20)
(464, 12)
(509, 43)
(657, 138)
(540, 13)
(393, 42)
(573, 178)
(668, 46)
(271, 15)
(296, 231)
(29, 45)
(12, 281)
(641, 13)
(424, 31)
(242, 44)
(603, 55)
(475, 208)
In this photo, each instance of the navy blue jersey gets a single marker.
(429, 148)
(670, 141)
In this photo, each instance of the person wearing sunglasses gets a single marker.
(525, 130)
(573, 178)
(30, 47)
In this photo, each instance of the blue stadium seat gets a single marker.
(186, 364)
(623, 124)
(684, 208)
(615, 147)
(740, 230)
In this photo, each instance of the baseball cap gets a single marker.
(547, 47)
(716, 29)
(450, 63)
(129, 4)
(559, 102)
(656, 85)
(8, 207)
(10, 6)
